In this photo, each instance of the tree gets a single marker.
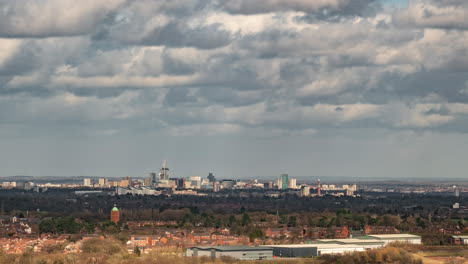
(245, 219)
(137, 251)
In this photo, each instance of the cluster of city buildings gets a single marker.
(155, 184)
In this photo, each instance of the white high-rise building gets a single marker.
(103, 182)
(305, 191)
(279, 183)
(87, 182)
(292, 183)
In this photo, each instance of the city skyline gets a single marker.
(358, 89)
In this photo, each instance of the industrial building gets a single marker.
(341, 246)
(313, 248)
(389, 238)
(237, 252)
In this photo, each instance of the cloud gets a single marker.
(341, 7)
(233, 66)
(49, 18)
(179, 35)
(446, 14)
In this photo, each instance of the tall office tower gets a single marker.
(164, 172)
(305, 190)
(318, 188)
(87, 182)
(284, 181)
(457, 192)
(154, 179)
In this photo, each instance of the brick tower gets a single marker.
(115, 214)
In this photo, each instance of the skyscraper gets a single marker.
(318, 188)
(164, 172)
(154, 179)
(284, 181)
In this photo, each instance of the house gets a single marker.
(459, 240)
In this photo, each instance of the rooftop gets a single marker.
(317, 245)
(233, 248)
(395, 236)
(352, 241)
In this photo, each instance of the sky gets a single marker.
(240, 88)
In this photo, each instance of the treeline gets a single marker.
(72, 225)
(65, 202)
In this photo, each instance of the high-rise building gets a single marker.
(153, 179)
(211, 177)
(292, 183)
(147, 182)
(318, 188)
(164, 172)
(125, 182)
(215, 186)
(284, 181)
(102, 182)
(87, 182)
(181, 183)
(115, 215)
(278, 183)
(305, 190)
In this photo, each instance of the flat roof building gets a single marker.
(389, 238)
(340, 246)
(237, 252)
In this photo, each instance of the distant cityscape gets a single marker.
(163, 183)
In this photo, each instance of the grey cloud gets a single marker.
(174, 66)
(39, 19)
(447, 14)
(322, 8)
(179, 35)
(181, 64)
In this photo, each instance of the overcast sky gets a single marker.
(240, 88)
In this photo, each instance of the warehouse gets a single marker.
(294, 251)
(313, 250)
(407, 238)
(237, 252)
(367, 243)
(340, 246)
